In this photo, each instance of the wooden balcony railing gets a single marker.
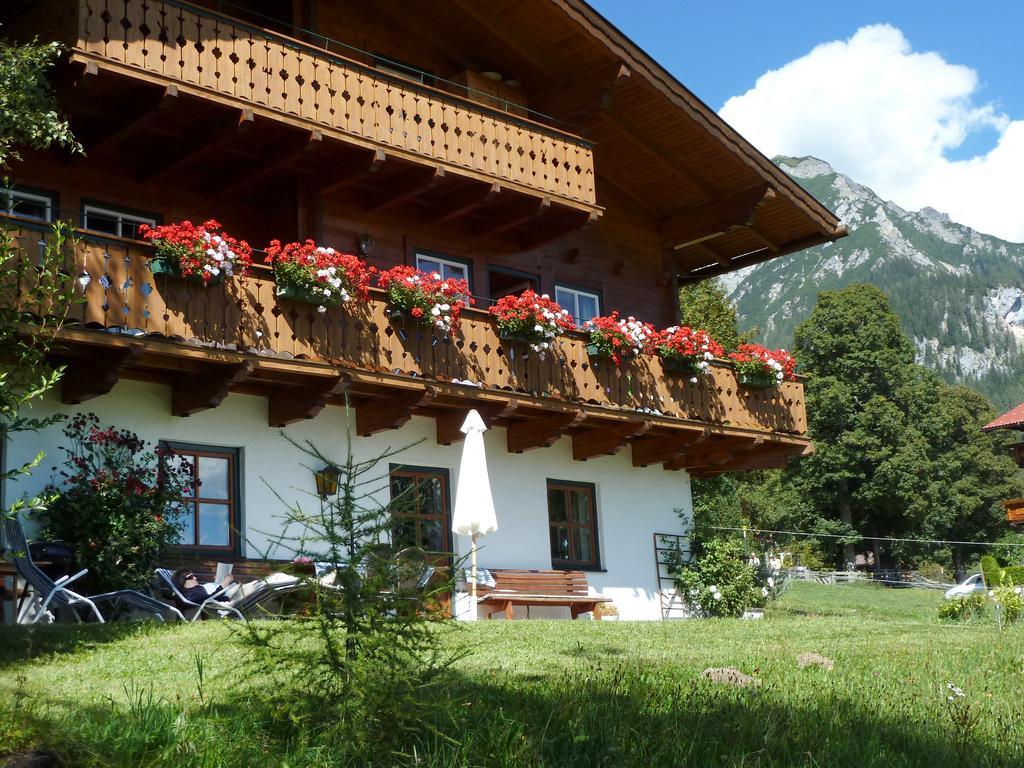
(123, 294)
(168, 41)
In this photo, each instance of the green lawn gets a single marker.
(552, 693)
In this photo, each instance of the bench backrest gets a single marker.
(573, 583)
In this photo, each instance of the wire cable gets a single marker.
(869, 538)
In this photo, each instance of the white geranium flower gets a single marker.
(435, 311)
(321, 309)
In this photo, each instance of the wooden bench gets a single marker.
(556, 588)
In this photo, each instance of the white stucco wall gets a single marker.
(632, 503)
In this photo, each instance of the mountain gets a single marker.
(959, 293)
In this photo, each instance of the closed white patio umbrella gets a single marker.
(474, 506)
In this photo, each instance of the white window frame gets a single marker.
(121, 217)
(576, 293)
(444, 262)
(11, 195)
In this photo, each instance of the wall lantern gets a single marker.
(366, 244)
(327, 482)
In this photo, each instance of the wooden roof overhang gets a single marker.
(720, 204)
(201, 376)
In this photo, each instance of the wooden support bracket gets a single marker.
(475, 196)
(208, 388)
(655, 450)
(540, 432)
(96, 375)
(606, 441)
(405, 188)
(390, 411)
(286, 406)
(449, 423)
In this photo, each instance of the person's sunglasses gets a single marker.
(190, 576)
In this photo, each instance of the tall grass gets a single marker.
(549, 694)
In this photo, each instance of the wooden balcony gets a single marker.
(202, 53)
(1014, 511)
(205, 342)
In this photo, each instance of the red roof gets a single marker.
(1010, 420)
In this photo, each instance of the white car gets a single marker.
(971, 585)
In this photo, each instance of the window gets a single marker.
(30, 205)
(508, 282)
(582, 305)
(447, 267)
(422, 520)
(210, 515)
(572, 520)
(116, 222)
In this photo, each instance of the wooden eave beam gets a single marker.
(208, 387)
(607, 440)
(516, 215)
(349, 170)
(288, 405)
(661, 448)
(461, 203)
(213, 135)
(713, 453)
(404, 188)
(704, 222)
(86, 378)
(540, 432)
(526, 49)
(586, 95)
(282, 154)
(751, 258)
(141, 114)
(449, 423)
(390, 411)
(559, 226)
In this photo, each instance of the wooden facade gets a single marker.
(582, 165)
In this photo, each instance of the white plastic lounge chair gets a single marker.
(238, 607)
(51, 594)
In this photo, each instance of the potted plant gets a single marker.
(205, 252)
(317, 275)
(757, 366)
(620, 339)
(425, 297)
(532, 319)
(687, 350)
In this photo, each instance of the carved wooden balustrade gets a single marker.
(175, 42)
(123, 295)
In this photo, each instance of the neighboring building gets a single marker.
(514, 144)
(1012, 419)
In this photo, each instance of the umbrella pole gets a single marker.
(472, 555)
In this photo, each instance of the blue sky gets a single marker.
(719, 50)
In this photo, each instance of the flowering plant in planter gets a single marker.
(761, 367)
(317, 275)
(531, 318)
(620, 338)
(686, 349)
(426, 297)
(205, 252)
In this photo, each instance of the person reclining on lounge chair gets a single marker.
(227, 591)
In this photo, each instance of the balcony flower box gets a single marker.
(619, 339)
(758, 367)
(687, 350)
(318, 275)
(532, 319)
(425, 298)
(204, 253)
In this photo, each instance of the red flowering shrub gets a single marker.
(205, 252)
(323, 276)
(621, 339)
(537, 320)
(688, 348)
(117, 505)
(426, 297)
(766, 366)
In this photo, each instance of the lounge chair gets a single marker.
(53, 594)
(239, 607)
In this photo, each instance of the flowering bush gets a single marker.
(537, 320)
(321, 276)
(764, 366)
(722, 582)
(688, 349)
(621, 339)
(205, 252)
(426, 297)
(118, 503)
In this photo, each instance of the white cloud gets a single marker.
(887, 116)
